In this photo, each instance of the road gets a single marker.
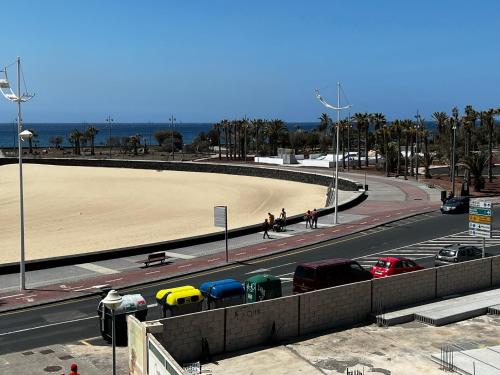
(417, 237)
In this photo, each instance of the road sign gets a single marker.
(480, 203)
(479, 219)
(220, 216)
(481, 227)
(479, 233)
(480, 211)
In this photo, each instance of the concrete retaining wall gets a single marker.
(463, 277)
(182, 335)
(403, 290)
(495, 271)
(334, 307)
(241, 170)
(240, 327)
(264, 322)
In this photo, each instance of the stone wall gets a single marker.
(240, 327)
(182, 335)
(495, 271)
(334, 307)
(242, 170)
(463, 277)
(403, 290)
(265, 322)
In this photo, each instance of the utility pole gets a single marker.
(348, 141)
(416, 145)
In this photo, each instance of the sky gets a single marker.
(203, 61)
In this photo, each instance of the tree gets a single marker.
(361, 120)
(274, 130)
(90, 133)
(217, 127)
(164, 139)
(257, 126)
(474, 164)
(397, 129)
(379, 120)
(134, 141)
(56, 141)
(324, 123)
(34, 135)
(226, 126)
(74, 138)
(201, 143)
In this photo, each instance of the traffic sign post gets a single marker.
(480, 219)
(220, 220)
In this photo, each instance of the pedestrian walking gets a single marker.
(265, 228)
(307, 218)
(314, 217)
(283, 218)
(74, 369)
(271, 219)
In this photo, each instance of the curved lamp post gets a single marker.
(112, 301)
(18, 98)
(338, 108)
(172, 121)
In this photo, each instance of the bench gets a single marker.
(155, 257)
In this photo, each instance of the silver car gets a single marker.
(457, 253)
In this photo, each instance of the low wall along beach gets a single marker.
(75, 209)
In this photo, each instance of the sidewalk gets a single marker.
(388, 200)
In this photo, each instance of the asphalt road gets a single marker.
(71, 321)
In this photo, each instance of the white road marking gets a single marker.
(109, 281)
(13, 295)
(99, 269)
(301, 239)
(243, 252)
(185, 265)
(261, 248)
(152, 305)
(29, 297)
(213, 260)
(320, 234)
(152, 272)
(178, 255)
(282, 244)
(364, 222)
(47, 325)
(270, 268)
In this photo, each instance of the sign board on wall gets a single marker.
(159, 362)
(135, 347)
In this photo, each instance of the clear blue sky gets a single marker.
(208, 60)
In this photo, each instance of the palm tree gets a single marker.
(135, 141)
(440, 118)
(217, 128)
(487, 118)
(469, 121)
(34, 135)
(257, 125)
(397, 129)
(406, 125)
(475, 164)
(379, 120)
(74, 138)
(274, 130)
(90, 133)
(361, 120)
(226, 126)
(324, 122)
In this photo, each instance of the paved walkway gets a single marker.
(388, 200)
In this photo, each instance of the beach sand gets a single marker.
(70, 210)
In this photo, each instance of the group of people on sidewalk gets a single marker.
(310, 217)
(271, 223)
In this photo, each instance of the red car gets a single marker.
(393, 266)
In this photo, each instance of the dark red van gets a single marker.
(327, 273)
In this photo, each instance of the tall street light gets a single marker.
(417, 117)
(172, 120)
(349, 141)
(112, 301)
(9, 94)
(109, 120)
(338, 108)
(454, 128)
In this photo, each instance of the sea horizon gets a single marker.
(45, 130)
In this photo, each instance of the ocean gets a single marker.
(147, 130)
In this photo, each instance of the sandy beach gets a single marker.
(72, 210)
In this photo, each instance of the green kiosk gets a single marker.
(262, 287)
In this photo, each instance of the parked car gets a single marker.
(455, 205)
(328, 273)
(389, 266)
(457, 253)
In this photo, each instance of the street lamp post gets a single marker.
(416, 145)
(109, 120)
(338, 108)
(172, 120)
(453, 160)
(18, 98)
(112, 301)
(348, 142)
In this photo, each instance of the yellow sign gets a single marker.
(480, 219)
